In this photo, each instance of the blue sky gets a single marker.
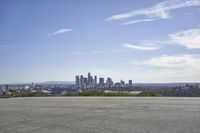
(54, 40)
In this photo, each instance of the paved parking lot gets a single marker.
(100, 115)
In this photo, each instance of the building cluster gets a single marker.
(91, 82)
(4, 89)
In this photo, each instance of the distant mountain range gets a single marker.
(134, 84)
(57, 82)
(45, 83)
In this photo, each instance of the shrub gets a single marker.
(147, 93)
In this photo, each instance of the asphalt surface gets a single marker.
(100, 115)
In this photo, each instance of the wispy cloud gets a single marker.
(60, 31)
(170, 68)
(186, 61)
(145, 47)
(188, 38)
(137, 21)
(159, 11)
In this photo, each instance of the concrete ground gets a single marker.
(100, 115)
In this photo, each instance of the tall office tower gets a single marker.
(6, 87)
(88, 77)
(77, 81)
(90, 80)
(122, 83)
(91, 84)
(32, 85)
(81, 81)
(130, 83)
(101, 82)
(109, 82)
(85, 82)
(95, 80)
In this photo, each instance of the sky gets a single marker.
(54, 40)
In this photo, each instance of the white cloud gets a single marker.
(186, 61)
(188, 38)
(158, 11)
(145, 47)
(60, 31)
(137, 21)
(168, 68)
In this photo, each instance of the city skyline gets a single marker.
(145, 41)
(99, 82)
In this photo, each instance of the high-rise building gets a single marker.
(81, 81)
(6, 87)
(90, 81)
(130, 83)
(95, 80)
(85, 81)
(32, 85)
(88, 77)
(77, 81)
(109, 82)
(122, 83)
(101, 82)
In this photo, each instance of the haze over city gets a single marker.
(142, 41)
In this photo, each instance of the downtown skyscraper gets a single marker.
(91, 82)
(86, 82)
